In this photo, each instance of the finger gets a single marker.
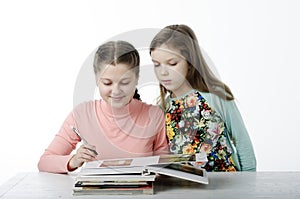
(84, 157)
(87, 152)
(91, 148)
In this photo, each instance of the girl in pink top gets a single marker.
(117, 126)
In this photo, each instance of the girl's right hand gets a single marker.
(85, 153)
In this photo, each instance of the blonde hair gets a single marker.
(199, 75)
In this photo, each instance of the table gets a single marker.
(281, 185)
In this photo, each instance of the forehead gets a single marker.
(164, 52)
(117, 71)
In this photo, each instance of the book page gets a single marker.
(123, 162)
(180, 170)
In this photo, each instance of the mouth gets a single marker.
(166, 82)
(116, 98)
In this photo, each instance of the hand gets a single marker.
(85, 153)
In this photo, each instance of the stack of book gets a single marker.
(114, 184)
(134, 175)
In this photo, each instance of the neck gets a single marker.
(181, 91)
(118, 111)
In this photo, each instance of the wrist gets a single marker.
(70, 165)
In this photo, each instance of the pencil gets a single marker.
(83, 140)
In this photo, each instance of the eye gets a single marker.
(106, 83)
(173, 63)
(156, 64)
(125, 83)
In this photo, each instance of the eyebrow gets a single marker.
(170, 59)
(126, 78)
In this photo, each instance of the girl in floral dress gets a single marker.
(200, 111)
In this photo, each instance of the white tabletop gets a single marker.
(283, 185)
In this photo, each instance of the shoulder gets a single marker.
(85, 104)
(143, 107)
(215, 100)
(85, 107)
(222, 106)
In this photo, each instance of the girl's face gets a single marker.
(117, 84)
(171, 69)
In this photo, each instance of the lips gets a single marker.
(166, 82)
(116, 98)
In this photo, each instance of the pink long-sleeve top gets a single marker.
(138, 129)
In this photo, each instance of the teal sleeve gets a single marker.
(240, 137)
(237, 131)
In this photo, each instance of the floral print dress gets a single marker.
(193, 126)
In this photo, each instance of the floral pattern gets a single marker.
(193, 126)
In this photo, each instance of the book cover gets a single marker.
(114, 189)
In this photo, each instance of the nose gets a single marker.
(116, 89)
(164, 70)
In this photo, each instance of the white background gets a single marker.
(43, 44)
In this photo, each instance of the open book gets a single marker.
(136, 175)
(177, 165)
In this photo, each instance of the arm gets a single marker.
(161, 145)
(244, 155)
(239, 136)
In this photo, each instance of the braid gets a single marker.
(137, 95)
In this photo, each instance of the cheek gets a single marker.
(182, 70)
(156, 71)
(104, 90)
(177, 73)
(185, 69)
(129, 88)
